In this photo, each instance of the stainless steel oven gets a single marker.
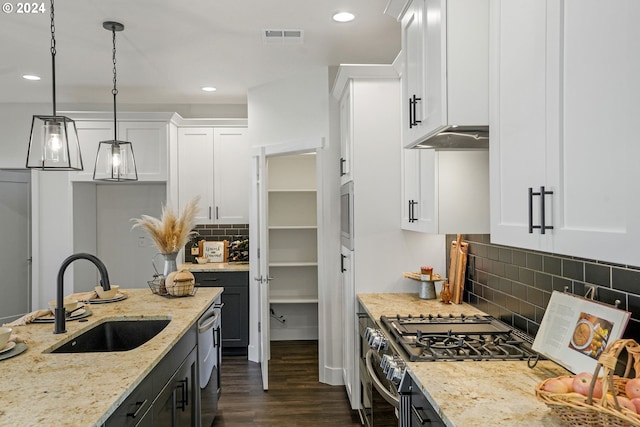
(379, 398)
(444, 338)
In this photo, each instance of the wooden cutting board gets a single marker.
(457, 267)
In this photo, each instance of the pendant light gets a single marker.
(115, 160)
(53, 142)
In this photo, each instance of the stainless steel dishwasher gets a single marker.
(209, 359)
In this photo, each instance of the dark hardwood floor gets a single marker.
(295, 397)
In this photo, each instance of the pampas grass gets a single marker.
(171, 232)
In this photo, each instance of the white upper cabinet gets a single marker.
(562, 99)
(213, 163)
(518, 119)
(231, 175)
(346, 139)
(149, 140)
(445, 76)
(445, 192)
(195, 170)
(419, 190)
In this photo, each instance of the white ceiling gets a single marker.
(171, 48)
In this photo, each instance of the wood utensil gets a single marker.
(458, 264)
(453, 261)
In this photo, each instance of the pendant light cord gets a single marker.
(53, 56)
(114, 91)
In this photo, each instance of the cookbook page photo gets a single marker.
(575, 331)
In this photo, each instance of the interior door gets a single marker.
(259, 265)
(15, 235)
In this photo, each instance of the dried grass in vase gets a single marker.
(171, 232)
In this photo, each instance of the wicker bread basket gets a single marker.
(578, 410)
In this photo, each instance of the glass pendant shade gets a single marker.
(115, 162)
(53, 144)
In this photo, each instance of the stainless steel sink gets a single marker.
(114, 335)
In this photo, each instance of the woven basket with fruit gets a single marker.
(598, 400)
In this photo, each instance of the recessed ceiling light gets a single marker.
(209, 89)
(343, 17)
(30, 77)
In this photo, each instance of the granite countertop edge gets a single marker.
(212, 267)
(471, 393)
(84, 389)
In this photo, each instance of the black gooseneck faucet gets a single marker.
(60, 312)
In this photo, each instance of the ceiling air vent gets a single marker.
(283, 36)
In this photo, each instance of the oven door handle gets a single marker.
(386, 394)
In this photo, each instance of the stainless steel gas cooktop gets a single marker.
(457, 337)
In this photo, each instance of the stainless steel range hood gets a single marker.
(458, 138)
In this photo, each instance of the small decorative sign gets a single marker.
(215, 251)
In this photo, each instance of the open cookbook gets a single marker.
(575, 331)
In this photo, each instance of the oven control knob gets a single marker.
(388, 364)
(385, 362)
(376, 339)
(396, 370)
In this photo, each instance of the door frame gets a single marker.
(258, 271)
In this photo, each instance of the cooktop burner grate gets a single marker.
(453, 338)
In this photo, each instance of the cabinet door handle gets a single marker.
(217, 216)
(530, 210)
(139, 405)
(412, 211)
(417, 413)
(209, 212)
(413, 102)
(342, 269)
(342, 162)
(184, 394)
(543, 226)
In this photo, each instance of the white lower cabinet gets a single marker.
(149, 140)
(445, 192)
(213, 163)
(562, 98)
(350, 339)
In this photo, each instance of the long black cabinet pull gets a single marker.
(412, 217)
(342, 269)
(410, 113)
(184, 394)
(543, 226)
(413, 102)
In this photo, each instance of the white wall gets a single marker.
(297, 108)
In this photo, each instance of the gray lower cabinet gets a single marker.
(175, 406)
(235, 312)
(169, 395)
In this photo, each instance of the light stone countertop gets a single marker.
(471, 394)
(214, 267)
(43, 389)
